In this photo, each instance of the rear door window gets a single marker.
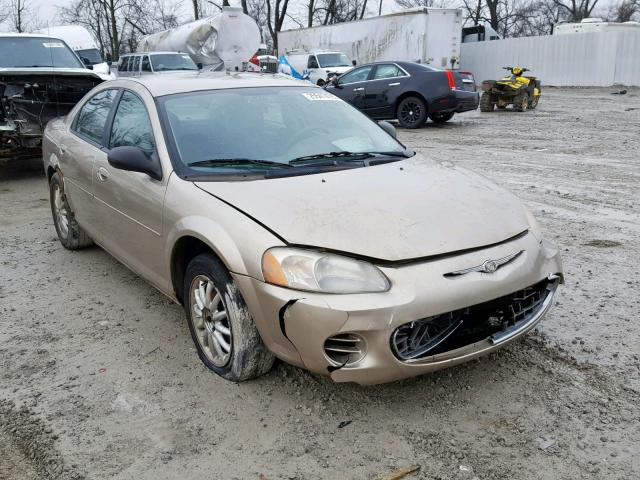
(92, 117)
(136, 63)
(387, 71)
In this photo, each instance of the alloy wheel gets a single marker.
(210, 321)
(61, 211)
(411, 112)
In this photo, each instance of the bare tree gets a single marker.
(624, 11)
(576, 10)
(415, 3)
(21, 15)
(276, 13)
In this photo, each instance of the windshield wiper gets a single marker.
(344, 157)
(225, 162)
(33, 66)
(329, 155)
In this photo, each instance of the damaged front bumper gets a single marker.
(377, 338)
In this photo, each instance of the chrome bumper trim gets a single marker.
(527, 324)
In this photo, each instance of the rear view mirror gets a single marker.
(387, 127)
(134, 159)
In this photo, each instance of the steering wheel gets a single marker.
(307, 132)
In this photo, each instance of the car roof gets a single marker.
(152, 53)
(27, 35)
(181, 82)
(406, 65)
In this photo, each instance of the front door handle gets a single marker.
(63, 149)
(394, 84)
(102, 174)
(361, 89)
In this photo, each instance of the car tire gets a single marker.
(521, 102)
(321, 83)
(534, 102)
(221, 326)
(70, 233)
(441, 117)
(411, 112)
(486, 102)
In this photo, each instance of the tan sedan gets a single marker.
(290, 225)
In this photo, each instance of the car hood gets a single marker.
(15, 71)
(398, 211)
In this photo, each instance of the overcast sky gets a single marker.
(47, 11)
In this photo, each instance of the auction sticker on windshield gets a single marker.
(320, 96)
(53, 45)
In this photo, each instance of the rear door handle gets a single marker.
(63, 149)
(102, 174)
(361, 89)
(394, 84)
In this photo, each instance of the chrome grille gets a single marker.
(434, 335)
(344, 348)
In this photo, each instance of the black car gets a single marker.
(409, 92)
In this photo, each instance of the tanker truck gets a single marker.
(225, 41)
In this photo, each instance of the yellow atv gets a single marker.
(522, 92)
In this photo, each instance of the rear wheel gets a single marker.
(441, 117)
(221, 326)
(411, 112)
(486, 102)
(521, 102)
(70, 233)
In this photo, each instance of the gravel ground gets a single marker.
(99, 379)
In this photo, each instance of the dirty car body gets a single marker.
(348, 254)
(40, 79)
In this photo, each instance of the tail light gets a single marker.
(451, 79)
(255, 60)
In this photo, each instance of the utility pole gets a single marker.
(380, 8)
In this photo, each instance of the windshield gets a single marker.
(268, 128)
(36, 52)
(172, 61)
(91, 54)
(333, 60)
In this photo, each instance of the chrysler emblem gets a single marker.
(489, 266)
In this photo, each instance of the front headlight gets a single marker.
(321, 272)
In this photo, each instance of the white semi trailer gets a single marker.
(426, 35)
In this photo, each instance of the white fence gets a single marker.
(584, 59)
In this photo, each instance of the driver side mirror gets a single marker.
(387, 127)
(133, 159)
(87, 63)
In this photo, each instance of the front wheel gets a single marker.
(221, 326)
(411, 112)
(70, 233)
(534, 102)
(441, 117)
(321, 83)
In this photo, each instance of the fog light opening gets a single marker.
(344, 348)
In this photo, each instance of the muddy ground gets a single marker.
(99, 378)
